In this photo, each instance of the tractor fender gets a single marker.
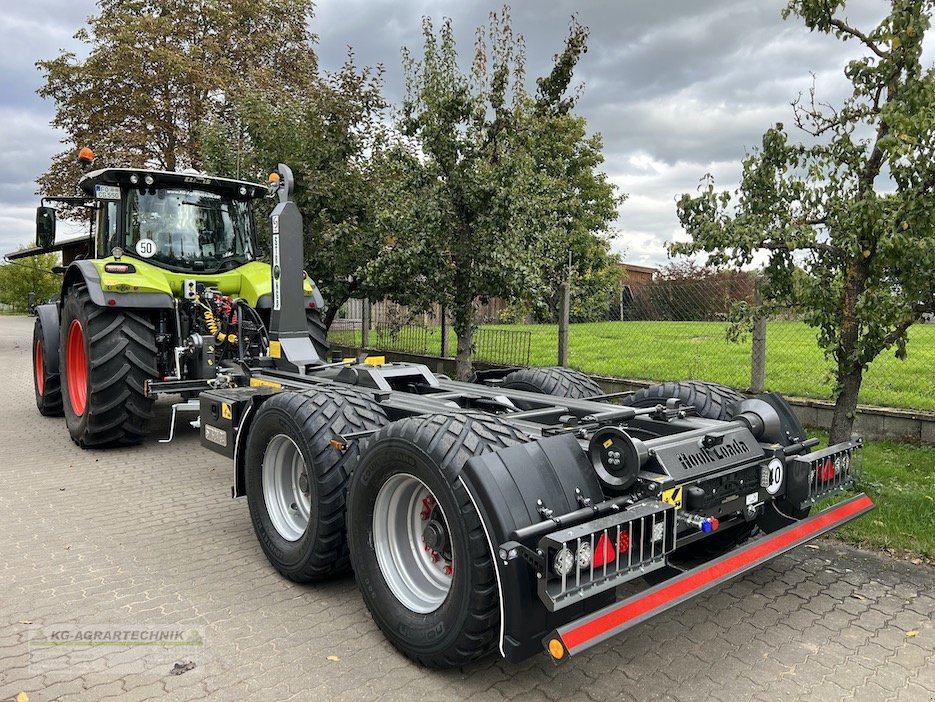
(84, 272)
(48, 315)
(313, 299)
(513, 488)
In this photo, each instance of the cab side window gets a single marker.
(106, 227)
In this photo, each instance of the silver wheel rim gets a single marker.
(286, 488)
(419, 576)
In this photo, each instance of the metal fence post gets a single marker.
(758, 347)
(563, 309)
(365, 323)
(444, 313)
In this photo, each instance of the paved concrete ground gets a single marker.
(148, 537)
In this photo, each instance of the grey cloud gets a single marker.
(677, 88)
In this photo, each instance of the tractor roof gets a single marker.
(122, 176)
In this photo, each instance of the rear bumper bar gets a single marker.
(581, 634)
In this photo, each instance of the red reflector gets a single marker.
(312, 305)
(604, 551)
(714, 523)
(624, 543)
(111, 301)
(827, 470)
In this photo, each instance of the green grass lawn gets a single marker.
(900, 479)
(700, 350)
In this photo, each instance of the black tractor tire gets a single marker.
(710, 400)
(313, 421)
(560, 382)
(464, 623)
(48, 385)
(106, 355)
(317, 332)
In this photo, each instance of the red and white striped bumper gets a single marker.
(580, 635)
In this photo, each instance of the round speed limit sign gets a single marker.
(146, 248)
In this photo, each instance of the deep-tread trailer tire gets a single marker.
(48, 385)
(106, 355)
(296, 478)
(710, 400)
(317, 332)
(560, 382)
(437, 603)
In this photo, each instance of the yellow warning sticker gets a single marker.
(673, 497)
(608, 443)
(226, 411)
(259, 383)
(275, 349)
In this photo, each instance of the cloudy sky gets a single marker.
(677, 88)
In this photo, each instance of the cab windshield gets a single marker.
(189, 230)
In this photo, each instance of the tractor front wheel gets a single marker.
(105, 358)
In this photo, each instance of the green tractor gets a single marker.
(165, 289)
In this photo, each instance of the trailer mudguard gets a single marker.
(514, 488)
(48, 318)
(226, 415)
(83, 271)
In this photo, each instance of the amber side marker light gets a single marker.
(556, 649)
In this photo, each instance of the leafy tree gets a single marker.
(29, 275)
(156, 70)
(576, 201)
(853, 206)
(324, 129)
(469, 193)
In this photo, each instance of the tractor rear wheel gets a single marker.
(48, 385)
(419, 547)
(317, 332)
(105, 358)
(560, 382)
(297, 475)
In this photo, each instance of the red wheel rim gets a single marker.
(40, 370)
(76, 363)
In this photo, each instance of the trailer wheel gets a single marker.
(710, 400)
(317, 332)
(560, 382)
(48, 385)
(105, 358)
(418, 545)
(296, 477)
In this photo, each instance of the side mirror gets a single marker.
(45, 227)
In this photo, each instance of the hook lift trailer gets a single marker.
(483, 517)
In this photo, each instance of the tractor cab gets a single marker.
(184, 222)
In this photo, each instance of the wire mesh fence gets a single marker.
(667, 330)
